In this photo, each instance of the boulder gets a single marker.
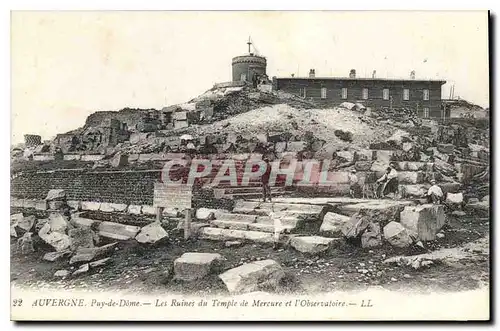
(57, 240)
(397, 235)
(58, 223)
(57, 194)
(454, 198)
(379, 167)
(61, 273)
(486, 198)
(89, 254)
(13, 232)
(112, 207)
(25, 243)
(151, 234)
(193, 266)
(423, 222)
(204, 214)
(254, 276)
(479, 209)
(90, 205)
(311, 244)
(371, 237)
(40, 223)
(81, 237)
(117, 231)
(458, 213)
(333, 223)
(54, 256)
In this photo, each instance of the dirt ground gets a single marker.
(141, 269)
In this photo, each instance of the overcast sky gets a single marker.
(67, 65)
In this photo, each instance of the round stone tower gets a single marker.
(245, 67)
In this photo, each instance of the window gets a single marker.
(365, 94)
(426, 112)
(243, 77)
(303, 92)
(385, 94)
(426, 94)
(323, 93)
(406, 94)
(344, 93)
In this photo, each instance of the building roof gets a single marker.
(367, 79)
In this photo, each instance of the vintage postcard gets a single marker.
(250, 166)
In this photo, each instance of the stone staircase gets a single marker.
(300, 217)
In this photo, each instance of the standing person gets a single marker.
(354, 188)
(435, 193)
(266, 190)
(389, 182)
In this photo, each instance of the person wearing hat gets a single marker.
(354, 188)
(435, 193)
(389, 182)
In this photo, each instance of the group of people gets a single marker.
(388, 184)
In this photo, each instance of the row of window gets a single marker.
(364, 95)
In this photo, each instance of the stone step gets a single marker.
(384, 206)
(264, 208)
(217, 234)
(269, 227)
(233, 225)
(235, 217)
(289, 220)
(246, 189)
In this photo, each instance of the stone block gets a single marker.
(333, 223)
(55, 256)
(455, 198)
(410, 177)
(148, 210)
(89, 254)
(446, 148)
(254, 276)
(371, 237)
(29, 203)
(113, 207)
(235, 217)
(134, 209)
(118, 231)
(58, 223)
(58, 194)
(204, 214)
(363, 165)
(90, 205)
(41, 205)
(59, 241)
(81, 237)
(311, 244)
(423, 222)
(193, 266)
(397, 235)
(151, 233)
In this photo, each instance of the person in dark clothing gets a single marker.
(266, 189)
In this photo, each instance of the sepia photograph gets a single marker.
(250, 165)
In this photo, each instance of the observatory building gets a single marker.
(245, 67)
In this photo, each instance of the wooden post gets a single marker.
(159, 212)
(187, 224)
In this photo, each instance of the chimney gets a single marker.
(352, 73)
(312, 73)
(412, 74)
(374, 74)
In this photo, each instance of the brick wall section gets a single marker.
(118, 187)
